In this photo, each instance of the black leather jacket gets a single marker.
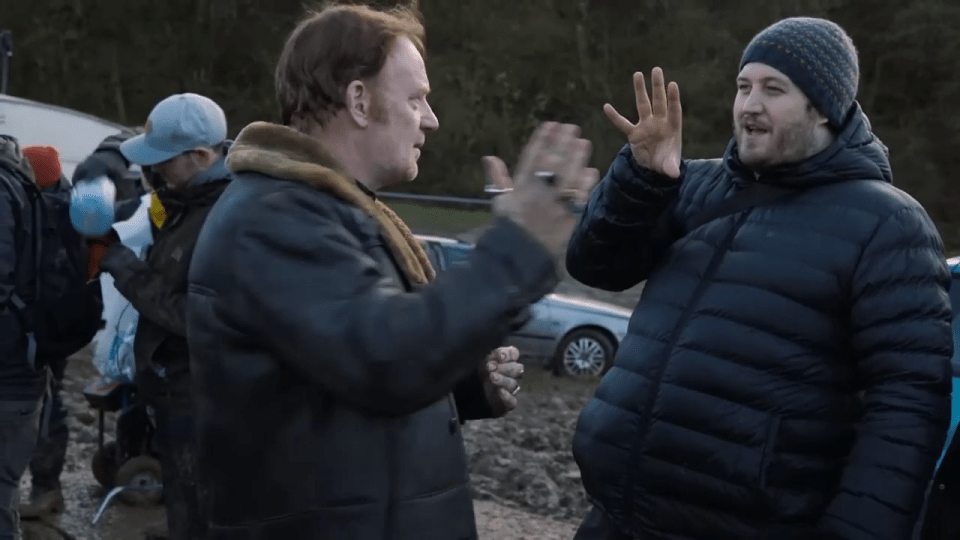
(329, 389)
(18, 379)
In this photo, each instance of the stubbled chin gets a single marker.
(750, 154)
(746, 142)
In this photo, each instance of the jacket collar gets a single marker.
(283, 153)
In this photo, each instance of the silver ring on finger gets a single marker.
(547, 177)
(515, 390)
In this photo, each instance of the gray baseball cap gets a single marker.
(178, 124)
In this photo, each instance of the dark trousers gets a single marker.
(19, 427)
(183, 497)
(50, 453)
(596, 526)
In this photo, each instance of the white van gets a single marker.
(73, 133)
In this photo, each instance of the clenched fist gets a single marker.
(501, 374)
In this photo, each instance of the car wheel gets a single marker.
(584, 354)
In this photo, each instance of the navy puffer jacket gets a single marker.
(787, 369)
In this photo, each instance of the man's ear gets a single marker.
(821, 119)
(358, 97)
(208, 156)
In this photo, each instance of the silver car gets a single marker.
(572, 336)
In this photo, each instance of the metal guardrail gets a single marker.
(442, 199)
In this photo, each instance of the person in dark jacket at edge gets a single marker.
(50, 452)
(942, 514)
(49, 456)
(182, 153)
(332, 373)
(787, 369)
(22, 383)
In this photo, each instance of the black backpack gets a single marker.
(66, 310)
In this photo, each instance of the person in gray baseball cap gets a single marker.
(183, 136)
(181, 152)
(786, 374)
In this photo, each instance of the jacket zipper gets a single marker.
(674, 337)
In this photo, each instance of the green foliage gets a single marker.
(500, 66)
(439, 218)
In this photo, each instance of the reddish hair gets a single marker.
(45, 162)
(331, 48)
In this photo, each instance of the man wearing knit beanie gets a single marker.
(787, 370)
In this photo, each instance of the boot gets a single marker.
(43, 503)
(156, 531)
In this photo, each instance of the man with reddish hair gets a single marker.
(332, 373)
(22, 385)
(48, 311)
(50, 453)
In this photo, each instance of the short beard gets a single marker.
(791, 144)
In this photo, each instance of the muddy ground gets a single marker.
(526, 483)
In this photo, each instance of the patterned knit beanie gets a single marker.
(817, 55)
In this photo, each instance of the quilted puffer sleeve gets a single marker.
(901, 339)
(625, 228)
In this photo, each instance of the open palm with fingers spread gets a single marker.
(552, 174)
(655, 139)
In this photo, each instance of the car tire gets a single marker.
(584, 353)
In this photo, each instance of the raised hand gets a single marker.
(655, 139)
(552, 174)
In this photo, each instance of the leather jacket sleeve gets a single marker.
(626, 227)
(149, 294)
(308, 290)
(471, 400)
(109, 161)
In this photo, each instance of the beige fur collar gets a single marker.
(283, 152)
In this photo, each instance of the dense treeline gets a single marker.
(499, 66)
